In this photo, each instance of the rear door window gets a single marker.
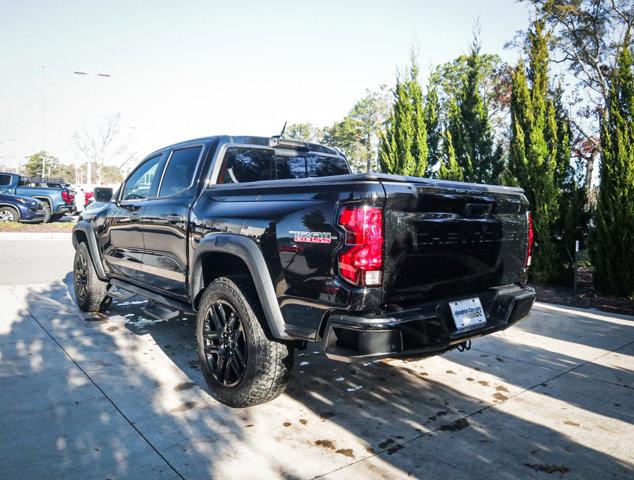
(242, 164)
(180, 170)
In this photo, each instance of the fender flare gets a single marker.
(44, 198)
(85, 227)
(248, 251)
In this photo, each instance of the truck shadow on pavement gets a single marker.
(125, 397)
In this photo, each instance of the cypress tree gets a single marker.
(533, 150)
(403, 147)
(471, 128)
(432, 122)
(613, 236)
(449, 168)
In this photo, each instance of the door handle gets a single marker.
(174, 219)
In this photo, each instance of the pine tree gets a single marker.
(613, 237)
(533, 150)
(432, 122)
(403, 148)
(471, 128)
(449, 168)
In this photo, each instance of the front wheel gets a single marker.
(47, 212)
(91, 293)
(242, 365)
(8, 214)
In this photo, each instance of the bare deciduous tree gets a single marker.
(101, 145)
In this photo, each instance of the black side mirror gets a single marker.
(103, 194)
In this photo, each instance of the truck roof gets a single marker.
(249, 140)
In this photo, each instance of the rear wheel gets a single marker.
(56, 217)
(242, 365)
(9, 214)
(91, 293)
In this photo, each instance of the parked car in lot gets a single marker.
(57, 201)
(273, 243)
(18, 208)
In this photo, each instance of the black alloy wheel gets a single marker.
(81, 277)
(225, 345)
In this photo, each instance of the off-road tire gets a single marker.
(93, 297)
(12, 211)
(268, 362)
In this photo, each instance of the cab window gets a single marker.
(143, 182)
(180, 170)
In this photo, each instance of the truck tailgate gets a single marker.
(446, 239)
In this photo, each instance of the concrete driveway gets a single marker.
(121, 396)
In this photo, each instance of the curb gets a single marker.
(35, 236)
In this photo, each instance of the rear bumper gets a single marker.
(424, 330)
(69, 209)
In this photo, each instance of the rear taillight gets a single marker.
(362, 258)
(87, 197)
(68, 197)
(530, 237)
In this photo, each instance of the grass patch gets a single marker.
(60, 226)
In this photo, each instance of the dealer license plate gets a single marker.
(467, 313)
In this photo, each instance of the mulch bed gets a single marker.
(587, 296)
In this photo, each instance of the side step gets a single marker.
(158, 311)
(156, 297)
(119, 294)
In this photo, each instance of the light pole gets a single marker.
(89, 162)
(43, 140)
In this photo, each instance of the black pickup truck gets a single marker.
(274, 243)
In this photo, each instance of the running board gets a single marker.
(119, 294)
(159, 312)
(150, 295)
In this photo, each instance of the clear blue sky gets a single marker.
(186, 69)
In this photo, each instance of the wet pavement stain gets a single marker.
(184, 386)
(326, 415)
(194, 364)
(500, 397)
(484, 383)
(560, 469)
(287, 424)
(383, 445)
(450, 372)
(455, 426)
(394, 449)
(346, 452)
(570, 422)
(501, 388)
(325, 444)
(303, 421)
(183, 407)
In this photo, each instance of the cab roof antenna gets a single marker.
(282, 132)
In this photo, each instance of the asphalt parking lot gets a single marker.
(121, 396)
